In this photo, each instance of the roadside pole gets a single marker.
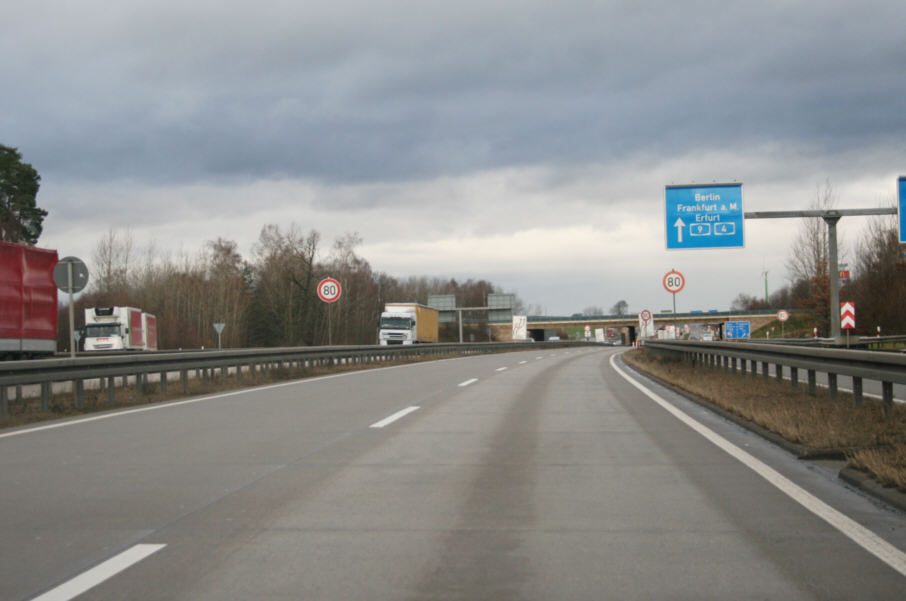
(830, 217)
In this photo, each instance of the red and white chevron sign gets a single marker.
(848, 315)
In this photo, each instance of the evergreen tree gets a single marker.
(20, 219)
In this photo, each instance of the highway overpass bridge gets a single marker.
(626, 326)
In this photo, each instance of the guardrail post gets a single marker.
(77, 394)
(887, 397)
(794, 376)
(163, 383)
(139, 385)
(857, 391)
(812, 382)
(111, 390)
(184, 377)
(779, 369)
(832, 386)
(4, 401)
(765, 370)
(45, 396)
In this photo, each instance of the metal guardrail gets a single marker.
(138, 366)
(854, 342)
(887, 368)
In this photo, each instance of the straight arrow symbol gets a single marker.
(679, 225)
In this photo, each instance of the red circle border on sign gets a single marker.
(667, 275)
(329, 299)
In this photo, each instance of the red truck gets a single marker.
(28, 301)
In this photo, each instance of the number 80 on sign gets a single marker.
(329, 290)
(674, 281)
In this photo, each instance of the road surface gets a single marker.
(541, 474)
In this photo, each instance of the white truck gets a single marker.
(408, 323)
(119, 328)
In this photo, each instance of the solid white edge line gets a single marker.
(99, 573)
(467, 382)
(859, 534)
(390, 419)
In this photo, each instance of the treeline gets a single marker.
(877, 285)
(266, 300)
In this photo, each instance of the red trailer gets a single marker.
(28, 301)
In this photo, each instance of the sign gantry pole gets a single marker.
(830, 217)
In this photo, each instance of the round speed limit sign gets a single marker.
(674, 281)
(783, 315)
(329, 290)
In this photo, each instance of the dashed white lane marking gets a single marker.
(98, 574)
(501, 369)
(392, 418)
(523, 362)
(859, 534)
(467, 382)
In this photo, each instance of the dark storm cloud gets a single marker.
(362, 91)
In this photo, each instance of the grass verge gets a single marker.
(870, 441)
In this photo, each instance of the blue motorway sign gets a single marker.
(901, 194)
(737, 330)
(708, 216)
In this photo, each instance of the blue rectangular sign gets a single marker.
(901, 195)
(737, 330)
(708, 216)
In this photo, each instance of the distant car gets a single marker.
(554, 339)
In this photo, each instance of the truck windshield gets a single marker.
(396, 323)
(101, 330)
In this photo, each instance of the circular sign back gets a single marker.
(783, 315)
(674, 281)
(79, 274)
(329, 290)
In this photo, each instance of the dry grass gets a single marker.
(873, 442)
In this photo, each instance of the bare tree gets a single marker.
(112, 259)
(808, 262)
(879, 288)
(808, 252)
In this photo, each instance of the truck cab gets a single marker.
(104, 337)
(397, 328)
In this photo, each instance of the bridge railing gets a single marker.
(886, 368)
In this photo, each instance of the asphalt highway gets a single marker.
(541, 474)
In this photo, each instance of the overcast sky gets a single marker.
(524, 142)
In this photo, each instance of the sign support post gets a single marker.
(329, 291)
(219, 327)
(70, 275)
(673, 282)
